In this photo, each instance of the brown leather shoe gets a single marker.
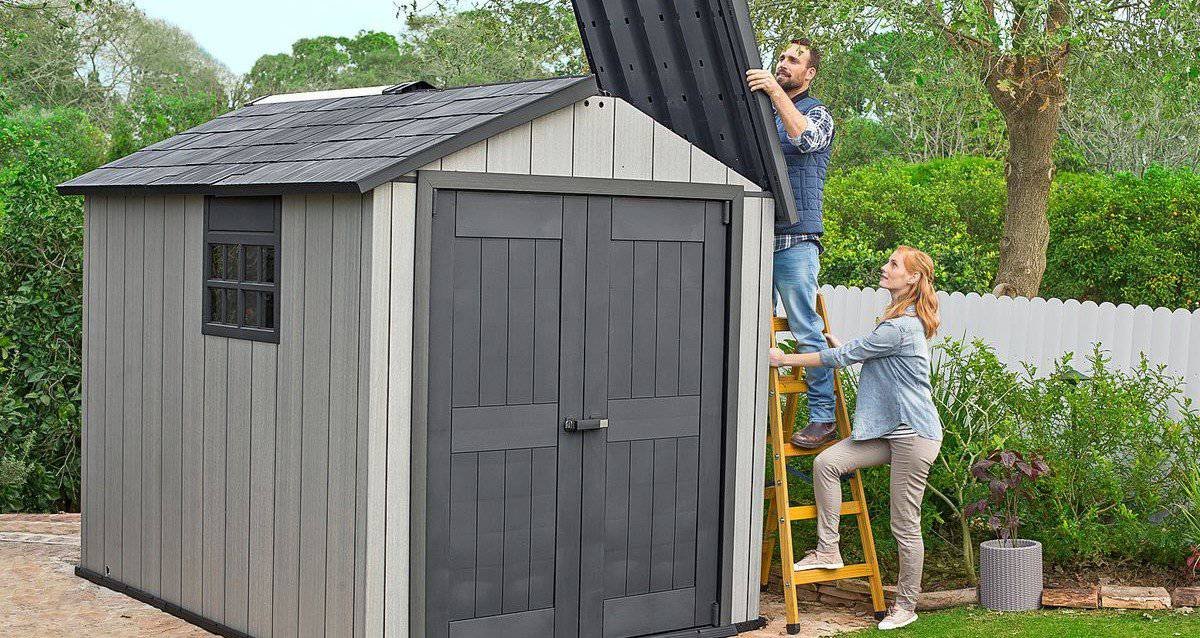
(816, 434)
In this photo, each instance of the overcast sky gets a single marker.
(236, 32)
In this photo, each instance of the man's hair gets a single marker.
(814, 54)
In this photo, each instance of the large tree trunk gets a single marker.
(1029, 93)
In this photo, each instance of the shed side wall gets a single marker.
(222, 475)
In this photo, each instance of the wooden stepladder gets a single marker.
(782, 406)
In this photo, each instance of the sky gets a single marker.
(237, 32)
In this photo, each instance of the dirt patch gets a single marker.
(816, 619)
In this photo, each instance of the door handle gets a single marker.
(577, 425)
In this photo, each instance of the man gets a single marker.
(806, 133)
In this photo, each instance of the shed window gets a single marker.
(241, 268)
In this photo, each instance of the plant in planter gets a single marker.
(1189, 485)
(1010, 568)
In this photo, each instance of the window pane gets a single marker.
(250, 309)
(216, 269)
(268, 310)
(268, 264)
(214, 304)
(252, 263)
(231, 307)
(231, 263)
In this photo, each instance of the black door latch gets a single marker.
(576, 425)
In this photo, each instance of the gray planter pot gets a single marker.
(1010, 575)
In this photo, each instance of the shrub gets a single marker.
(1114, 444)
(41, 263)
(1120, 454)
(1116, 238)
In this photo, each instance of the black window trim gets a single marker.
(234, 237)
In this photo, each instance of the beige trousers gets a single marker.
(910, 458)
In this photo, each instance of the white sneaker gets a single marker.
(815, 560)
(897, 618)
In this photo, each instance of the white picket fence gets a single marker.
(1038, 331)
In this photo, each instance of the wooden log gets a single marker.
(1076, 597)
(946, 599)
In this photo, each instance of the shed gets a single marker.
(479, 361)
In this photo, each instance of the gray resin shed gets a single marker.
(348, 356)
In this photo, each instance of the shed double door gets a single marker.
(575, 415)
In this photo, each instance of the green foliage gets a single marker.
(1121, 238)
(41, 241)
(1113, 444)
(1124, 479)
(150, 116)
(948, 208)
(1116, 238)
(370, 58)
(501, 40)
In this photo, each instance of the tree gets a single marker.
(370, 58)
(1021, 52)
(1129, 111)
(498, 41)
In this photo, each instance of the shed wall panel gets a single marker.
(197, 446)
(93, 488)
(399, 414)
(172, 400)
(131, 375)
(152, 378)
(114, 387)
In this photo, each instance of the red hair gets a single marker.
(922, 295)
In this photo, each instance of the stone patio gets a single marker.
(41, 597)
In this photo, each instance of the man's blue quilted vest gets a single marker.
(807, 174)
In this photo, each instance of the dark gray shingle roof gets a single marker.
(337, 144)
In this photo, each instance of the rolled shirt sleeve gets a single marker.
(819, 132)
(883, 341)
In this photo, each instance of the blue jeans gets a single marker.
(795, 277)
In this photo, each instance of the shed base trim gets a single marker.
(158, 603)
(700, 632)
(751, 625)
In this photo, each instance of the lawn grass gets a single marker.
(972, 622)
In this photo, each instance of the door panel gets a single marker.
(495, 519)
(551, 307)
(647, 353)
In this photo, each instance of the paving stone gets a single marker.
(1118, 597)
(41, 597)
(1186, 597)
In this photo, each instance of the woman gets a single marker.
(895, 421)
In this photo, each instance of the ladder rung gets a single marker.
(790, 450)
(792, 385)
(824, 575)
(809, 512)
(779, 324)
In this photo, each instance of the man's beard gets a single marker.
(788, 83)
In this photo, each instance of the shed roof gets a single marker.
(684, 65)
(341, 144)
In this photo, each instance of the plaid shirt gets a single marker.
(783, 242)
